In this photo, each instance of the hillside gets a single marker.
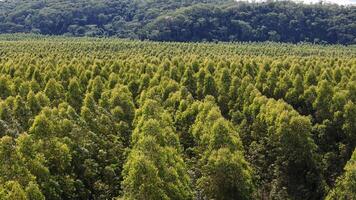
(188, 20)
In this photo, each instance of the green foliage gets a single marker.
(33, 192)
(188, 20)
(345, 187)
(91, 118)
(225, 174)
(12, 190)
(155, 147)
(16, 180)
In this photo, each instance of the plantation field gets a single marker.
(90, 118)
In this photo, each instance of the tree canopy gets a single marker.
(188, 20)
(106, 118)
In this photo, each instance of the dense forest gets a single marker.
(183, 20)
(89, 118)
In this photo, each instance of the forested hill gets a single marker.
(182, 20)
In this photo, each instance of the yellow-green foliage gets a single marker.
(346, 185)
(97, 118)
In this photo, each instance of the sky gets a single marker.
(340, 2)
